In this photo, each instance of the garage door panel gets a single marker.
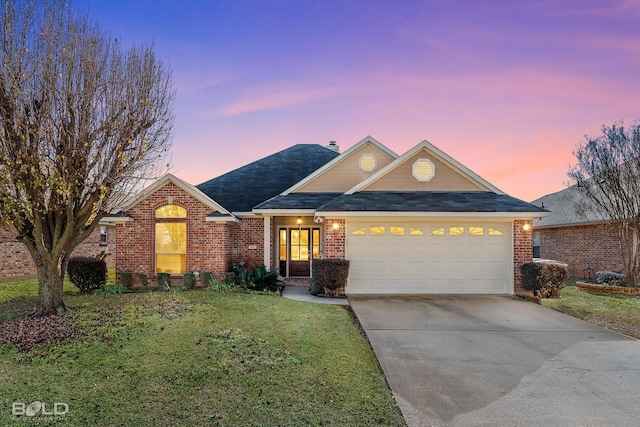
(430, 263)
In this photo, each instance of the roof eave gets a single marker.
(514, 215)
(222, 219)
(284, 212)
(116, 219)
(569, 224)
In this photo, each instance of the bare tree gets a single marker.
(607, 175)
(82, 122)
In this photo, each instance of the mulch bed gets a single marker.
(607, 290)
(28, 333)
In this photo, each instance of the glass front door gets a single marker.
(297, 248)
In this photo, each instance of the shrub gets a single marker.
(127, 279)
(241, 274)
(87, 273)
(144, 279)
(164, 281)
(315, 289)
(329, 274)
(257, 278)
(231, 278)
(189, 280)
(610, 277)
(207, 278)
(261, 279)
(542, 277)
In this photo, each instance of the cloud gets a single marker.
(279, 95)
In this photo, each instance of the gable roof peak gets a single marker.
(441, 155)
(185, 186)
(368, 139)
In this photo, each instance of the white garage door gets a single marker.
(422, 258)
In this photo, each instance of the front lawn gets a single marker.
(198, 358)
(620, 314)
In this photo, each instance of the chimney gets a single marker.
(333, 146)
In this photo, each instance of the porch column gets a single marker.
(267, 241)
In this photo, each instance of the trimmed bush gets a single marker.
(542, 277)
(329, 274)
(189, 280)
(127, 280)
(164, 281)
(610, 277)
(87, 273)
(207, 278)
(144, 279)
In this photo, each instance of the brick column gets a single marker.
(522, 249)
(334, 239)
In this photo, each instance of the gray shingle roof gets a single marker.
(297, 201)
(563, 209)
(243, 188)
(428, 201)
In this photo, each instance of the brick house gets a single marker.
(583, 241)
(416, 223)
(16, 260)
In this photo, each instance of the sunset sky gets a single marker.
(507, 88)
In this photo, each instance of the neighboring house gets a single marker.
(580, 239)
(16, 260)
(411, 224)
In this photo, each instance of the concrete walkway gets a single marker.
(300, 293)
(500, 361)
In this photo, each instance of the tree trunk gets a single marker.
(50, 280)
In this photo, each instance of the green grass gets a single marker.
(618, 313)
(17, 298)
(200, 358)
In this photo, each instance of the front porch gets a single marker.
(295, 241)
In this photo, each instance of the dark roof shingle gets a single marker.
(565, 209)
(297, 201)
(428, 201)
(243, 188)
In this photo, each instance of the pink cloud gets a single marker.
(279, 96)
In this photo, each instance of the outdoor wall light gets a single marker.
(299, 221)
(335, 225)
(526, 227)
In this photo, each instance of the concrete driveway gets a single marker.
(500, 361)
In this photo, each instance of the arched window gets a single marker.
(171, 241)
(171, 211)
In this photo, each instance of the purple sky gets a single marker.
(505, 87)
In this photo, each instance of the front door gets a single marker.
(298, 247)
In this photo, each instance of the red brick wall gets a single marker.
(247, 242)
(334, 239)
(522, 250)
(208, 243)
(16, 261)
(585, 247)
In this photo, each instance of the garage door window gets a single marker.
(377, 230)
(398, 231)
(456, 231)
(495, 232)
(416, 232)
(476, 231)
(359, 232)
(437, 232)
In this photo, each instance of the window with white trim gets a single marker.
(171, 241)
